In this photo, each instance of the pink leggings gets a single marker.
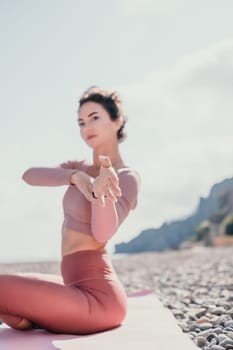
(90, 299)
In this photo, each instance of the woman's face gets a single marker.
(96, 127)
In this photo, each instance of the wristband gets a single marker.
(93, 195)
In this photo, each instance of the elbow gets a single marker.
(26, 177)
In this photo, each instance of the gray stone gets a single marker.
(230, 334)
(228, 329)
(229, 324)
(217, 330)
(230, 312)
(205, 333)
(193, 327)
(178, 313)
(203, 319)
(227, 343)
(222, 337)
(212, 336)
(205, 325)
(197, 330)
(200, 313)
(201, 341)
(218, 311)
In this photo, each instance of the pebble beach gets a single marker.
(196, 284)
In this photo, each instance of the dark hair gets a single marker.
(110, 101)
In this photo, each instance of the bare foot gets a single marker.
(17, 322)
(23, 325)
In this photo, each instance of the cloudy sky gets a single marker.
(172, 63)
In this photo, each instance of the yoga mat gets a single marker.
(148, 325)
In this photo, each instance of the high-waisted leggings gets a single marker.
(88, 299)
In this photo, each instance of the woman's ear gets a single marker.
(119, 123)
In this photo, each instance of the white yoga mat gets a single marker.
(148, 325)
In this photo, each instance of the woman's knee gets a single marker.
(42, 277)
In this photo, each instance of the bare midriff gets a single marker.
(74, 241)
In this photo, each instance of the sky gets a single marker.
(171, 61)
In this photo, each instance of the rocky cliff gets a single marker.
(171, 235)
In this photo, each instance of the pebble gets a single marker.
(201, 341)
(227, 343)
(216, 347)
(229, 324)
(205, 325)
(230, 334)
(222, 337)
(211, 336)
(203, 320)
(195, 284)
(218, 311)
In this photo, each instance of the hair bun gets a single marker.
(91, 90)
(116, 98)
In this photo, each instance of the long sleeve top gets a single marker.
(88, 216)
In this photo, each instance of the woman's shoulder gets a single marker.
(129, 174)
(130, 183)
(127, 170)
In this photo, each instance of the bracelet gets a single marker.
(93, 195)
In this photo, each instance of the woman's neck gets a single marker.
(114, 156)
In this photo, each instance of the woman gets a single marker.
(90, 296)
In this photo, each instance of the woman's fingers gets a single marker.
(66, 165)
(105, 161)
(107, 183)
(112, 176)
(114, 186)
(115, 190)
(63, 165)
(101, 199)
(108, 170)
(110, 195)
(112, 179)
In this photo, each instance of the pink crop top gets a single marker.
(79, 213)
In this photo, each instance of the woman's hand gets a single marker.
(84, 183)
(68, 165)
(107, 183)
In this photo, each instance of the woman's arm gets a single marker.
(106, 219)
(52, 176)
